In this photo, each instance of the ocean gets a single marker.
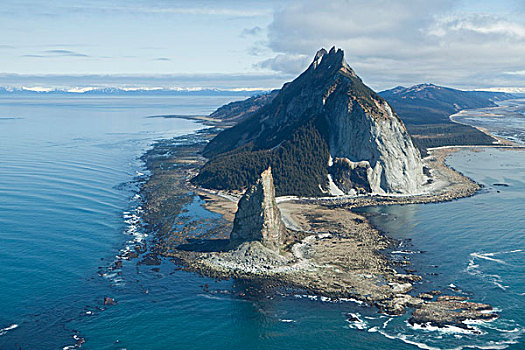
(69, 176)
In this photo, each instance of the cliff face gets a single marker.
(258, 218)
(354, 121)
(377, 137)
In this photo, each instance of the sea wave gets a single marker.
(474, 268)
(356, 322)
(8, 328)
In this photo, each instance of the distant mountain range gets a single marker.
(424, 103)
(129, 91)
(425, 110)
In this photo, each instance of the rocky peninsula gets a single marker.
(315, 244)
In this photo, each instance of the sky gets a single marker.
(259, 44)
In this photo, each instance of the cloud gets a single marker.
(115, 7)
(56, 53)
(68, 53)
(288, 63)
(479, 24)
(251, 31)
(402, 42)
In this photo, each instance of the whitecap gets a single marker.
(447, 329)
(8, 328)
(487, 256)
(405, 252)
(357, 322)
(387, 322)
(404, 338)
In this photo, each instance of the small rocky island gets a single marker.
(325, 144)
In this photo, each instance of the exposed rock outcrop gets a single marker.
(258, 218)
(351, 176)
(363, 127)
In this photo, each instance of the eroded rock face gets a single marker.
(351, 176)
(363, 128)
(258, 218)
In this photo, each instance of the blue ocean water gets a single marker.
(68, 207)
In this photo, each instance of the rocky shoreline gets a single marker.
(328, 249)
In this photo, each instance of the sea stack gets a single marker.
(258, 218)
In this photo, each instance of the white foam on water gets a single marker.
(487, 256)
(358, 323)
(447, 329)
(490, 345)
(287, 321)
(8, 328)
(404, 338)
(360, 302)
(328, 299)
(212, 297)
(387, 322)
(474, 269)
(405, 252)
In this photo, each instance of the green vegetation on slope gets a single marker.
(298, 165)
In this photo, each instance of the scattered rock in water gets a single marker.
(448, 311)
(109, 301)
(425, 296)
(396, 305)
(408, 278)
(150, 259)
(451, 298)
(500, 185)
(350, 317)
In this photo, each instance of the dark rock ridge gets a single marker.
(239, 110)
(426, 108)
(424, 103)
(333, 115)
(258, 218)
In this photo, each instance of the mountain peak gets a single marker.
(332, 60)
(325, 113)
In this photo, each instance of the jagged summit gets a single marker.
(334, 60)
(326, 113)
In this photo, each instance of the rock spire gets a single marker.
(258, 218)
